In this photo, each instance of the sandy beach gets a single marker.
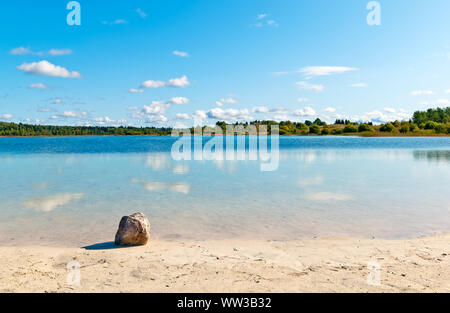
(313, 265)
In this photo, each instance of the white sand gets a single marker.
(317, 265)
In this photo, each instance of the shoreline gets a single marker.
(335, 264)
(341, 135)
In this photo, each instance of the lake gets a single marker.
(72, 191)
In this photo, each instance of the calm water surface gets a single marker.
(73, 191)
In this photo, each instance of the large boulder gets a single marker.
(134, 230)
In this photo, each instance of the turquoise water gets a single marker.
(73, 191)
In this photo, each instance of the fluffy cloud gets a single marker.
(330, 110)
(20, 51)
(223, 101)
(181, 54)
(443, 102)
(422, 92)
(179, 100)
(154, 112)
(48, 69)
(447, 91)
(308, 86)
(38, 86)
(6, 116)
(307, 111)
(174, 82)
(312, 71)
(183, 116)
(178, 82)
(200, 114)
(302, 100)
(378, 117)
(153, 84)
(229, 114)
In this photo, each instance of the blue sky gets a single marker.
(168, 62)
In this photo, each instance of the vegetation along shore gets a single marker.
(433, 122)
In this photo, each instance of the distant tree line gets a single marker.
(423, 123)
(13, 129)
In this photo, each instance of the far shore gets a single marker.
(370, 135)
(312, 265)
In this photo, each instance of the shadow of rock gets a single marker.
(109, 245)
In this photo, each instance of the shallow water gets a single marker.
(73, 191)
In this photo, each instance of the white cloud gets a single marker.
(70, 115)
(358, 85)
(379, 117)
(200, 114)
(21, 51)
(308, 86)
(229, 114)
(134, 90)
(443, 102)
(48, 69)
(174, 82)
(57, 101)
(390, 110)
(179, 100)
(57, 52)
(272, 23)
(49, 203)
(307, 111)
(330, 110)
(6, 116)
(312, 71)
(183, 116)
(223, 101)
(154, 112)
(141, 13)
(422, 92)
(447, 91)
(38, 86)
(178, 82)
(302, 100)
(181, 54)
(153, 84)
